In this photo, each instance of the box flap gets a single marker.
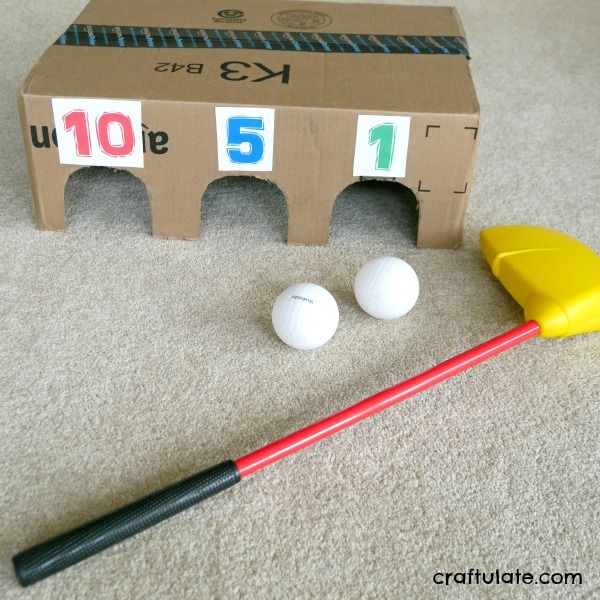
(324, 55)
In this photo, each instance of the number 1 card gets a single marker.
(381, 146)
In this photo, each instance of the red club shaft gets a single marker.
(250, 463)
(69, 548)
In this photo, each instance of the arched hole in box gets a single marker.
(106, 199)
(375, 210)
(240, 206)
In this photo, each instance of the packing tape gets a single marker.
(170, 37)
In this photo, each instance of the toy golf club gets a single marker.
(555, 279)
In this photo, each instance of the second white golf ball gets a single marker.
(305, 316)
(386, 287)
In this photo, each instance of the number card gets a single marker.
(381, 146)
(102, 133)
(245, 138)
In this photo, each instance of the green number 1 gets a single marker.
(383, 135)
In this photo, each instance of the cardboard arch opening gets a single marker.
(245, 205)
(376, 209)
(107, 198)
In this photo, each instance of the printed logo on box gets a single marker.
(229, 15)
(102, 133)
(300, 19)
(381, 146)
(245, 138)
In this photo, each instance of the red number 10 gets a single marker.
(77, 120)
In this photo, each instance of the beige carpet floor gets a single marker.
(129, 362)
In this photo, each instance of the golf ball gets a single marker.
(386, 287)
(305, 316)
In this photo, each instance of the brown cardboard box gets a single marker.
(322, 94)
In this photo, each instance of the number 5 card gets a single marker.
(381, 146)
(102, 133)
(245, 138)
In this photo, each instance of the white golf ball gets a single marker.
(386, 287)
(305, 316)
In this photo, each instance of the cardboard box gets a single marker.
(310, 96)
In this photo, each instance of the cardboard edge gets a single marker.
(459, 22)
(21, 96)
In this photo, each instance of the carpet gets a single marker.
(129, 362)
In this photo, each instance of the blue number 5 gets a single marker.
(238, 136)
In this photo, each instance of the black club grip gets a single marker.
(69, 548)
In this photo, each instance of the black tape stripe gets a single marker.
(125, 36)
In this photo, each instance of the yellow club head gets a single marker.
(555, 278)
